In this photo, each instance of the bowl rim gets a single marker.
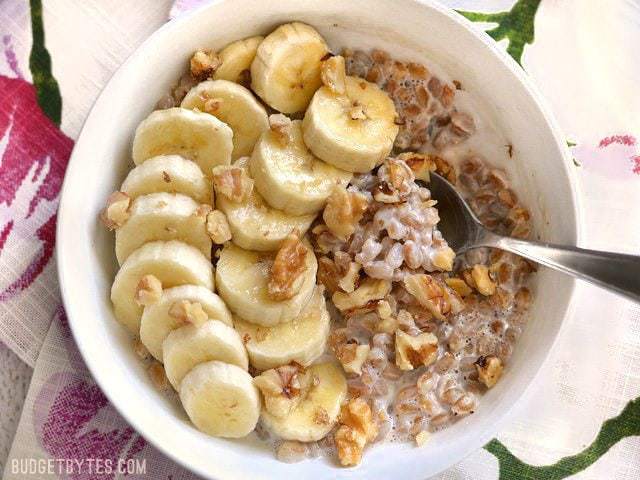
(175, 25)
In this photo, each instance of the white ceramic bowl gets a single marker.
(408, 29)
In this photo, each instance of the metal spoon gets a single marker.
(463, 231)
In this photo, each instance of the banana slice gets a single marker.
(242, 278)
(317, 413)
(289, 176)
(173, 263)
(234, 105)
(302, 340)
(163, 216)
(191, 345)
(256, 226)
(236, 58)
(220, 399)
(195, 135)
(168, 173)
(353, 131)
(286, 70)
(157, 323)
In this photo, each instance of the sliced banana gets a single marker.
(191, 345)
(242, 278)
(317, 413)
(163, 216)
(236, 58)
(168, 173)
(289, 176)
(195, 135)
(157, 323)
(302, 340)
(256, 226)
(173, 263)
(234, 105)
(353, 131)
(220, 399)
(286, 70)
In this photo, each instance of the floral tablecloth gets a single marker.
(55, 57)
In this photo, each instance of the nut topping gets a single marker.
(218, 227)
(204, 63)
(285, 279)
(429, 293)
(116, 213)
(489, 369)
(356, 429)
(413, 352)
(333, 75)
(148, 291)
(282, 388)
(232, 182)
(343, 211)
(369, 290)
(280, 125)
(188, 312)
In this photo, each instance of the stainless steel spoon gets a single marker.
(463, 231)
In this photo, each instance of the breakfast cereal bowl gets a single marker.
(533, 155)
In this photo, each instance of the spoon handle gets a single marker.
(617, 272)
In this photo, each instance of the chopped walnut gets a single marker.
(232, 182)
(349, 281)
(352, 356)
(356, 112)
(396, 181)
(484, 284)
(343, 211)
(357, 428)
(116, 213)
(280, 125)
(148, 291)
(328, 274)
(489, 369)
(429, 293)
(422, 437)
(412, 352)
(212, 105)
(333, 75)
(419, 163)
(443, 259)
(204, 63)
(349, 445)
(285, 279)
(218, 227)
(202, 210)
(188, 312)
(282, 388)
(459, 286)
(157, 375)
(369, 290)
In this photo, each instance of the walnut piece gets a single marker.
(286, 279)
(232, 182)
(116, 213)
(356, 112)
(204, 63)
(459, 286)
(333, 75)
(282, 388)
(443, 259)
(370, 290)
(218, 227)
(148, 291)
(343, 211)
(280, 125)
(421, 164)
(352, 356)
(484, 284)
(412, 352)
(188, 312)
(429, 293)
(357, 428)
(349, 280)
(489, 369)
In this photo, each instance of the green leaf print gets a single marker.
(612, 431)
(40, 65)
(516, 25)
